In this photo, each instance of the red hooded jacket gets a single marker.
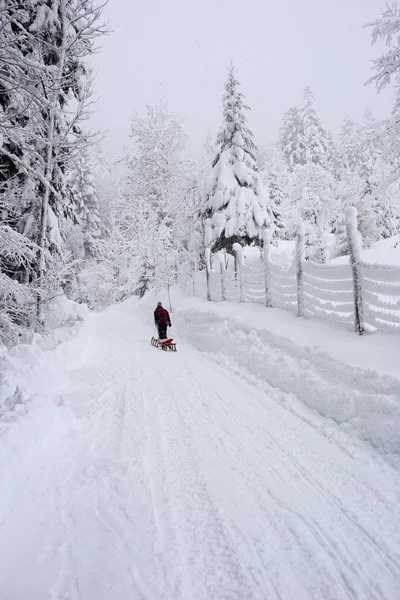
(161, 316)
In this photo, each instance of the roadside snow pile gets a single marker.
(28, 372)
(361, 401)
(63, 314)
(25, 371)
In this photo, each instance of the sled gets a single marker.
(168, 344)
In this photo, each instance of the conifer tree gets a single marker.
(84, 197)
(237, 205)
(315, 136)
(292, 138)
(350, 140)
(275, 179)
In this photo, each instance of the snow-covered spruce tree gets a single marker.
(45, 92)
(315, 136)
(350, 143)
(274, 176)
(334, 157)
(292, 138)
(237, 205)
(314, 165)
(277, 194)
(84, 197)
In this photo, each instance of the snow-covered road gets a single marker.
(144, 474)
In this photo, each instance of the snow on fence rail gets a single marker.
(381, 295)
(358, 295)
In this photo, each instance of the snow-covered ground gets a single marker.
(127, 472)
(384, 252)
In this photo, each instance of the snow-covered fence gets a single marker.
(267, 260)
(328, 292)
(300, 251)
(283, 286)
(357, 295)
(381, 297)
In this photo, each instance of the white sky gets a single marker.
(178, 50)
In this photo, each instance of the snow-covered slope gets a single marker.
(384, 252)
(126, 472)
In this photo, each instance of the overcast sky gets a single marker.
(178, 50)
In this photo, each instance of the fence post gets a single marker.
(194, 276)
(267, 255)
(354, 239)
(237, 248)
(221, 260)
(207, 258)
(300, 247)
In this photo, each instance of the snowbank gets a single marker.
(29, 371)
(384, 252)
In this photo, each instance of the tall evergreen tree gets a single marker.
(292, 138)
(237, 205)
(84, 197)
(275, 179)
(350, 141)
(334, 157)
(315, 136)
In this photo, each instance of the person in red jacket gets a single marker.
(162, 321)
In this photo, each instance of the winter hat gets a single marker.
(159, 303)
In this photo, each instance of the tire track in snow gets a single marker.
(95, 481)
(324, 540)
(202, 533)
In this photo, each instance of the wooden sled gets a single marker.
(165, 345)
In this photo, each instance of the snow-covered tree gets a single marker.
(387, 29)
(313, 201)
(387, 69)
(17, 254)
(292, 138)
(155, 163)
(350, 141)
(237, 205)
(351, 191)
(334, 156)
(275, 180)
(315, 136)
(151, 212)
(46, 87)
(82, 189)
(107, 177)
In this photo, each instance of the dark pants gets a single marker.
(162, 331)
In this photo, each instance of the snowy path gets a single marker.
(177, 479)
